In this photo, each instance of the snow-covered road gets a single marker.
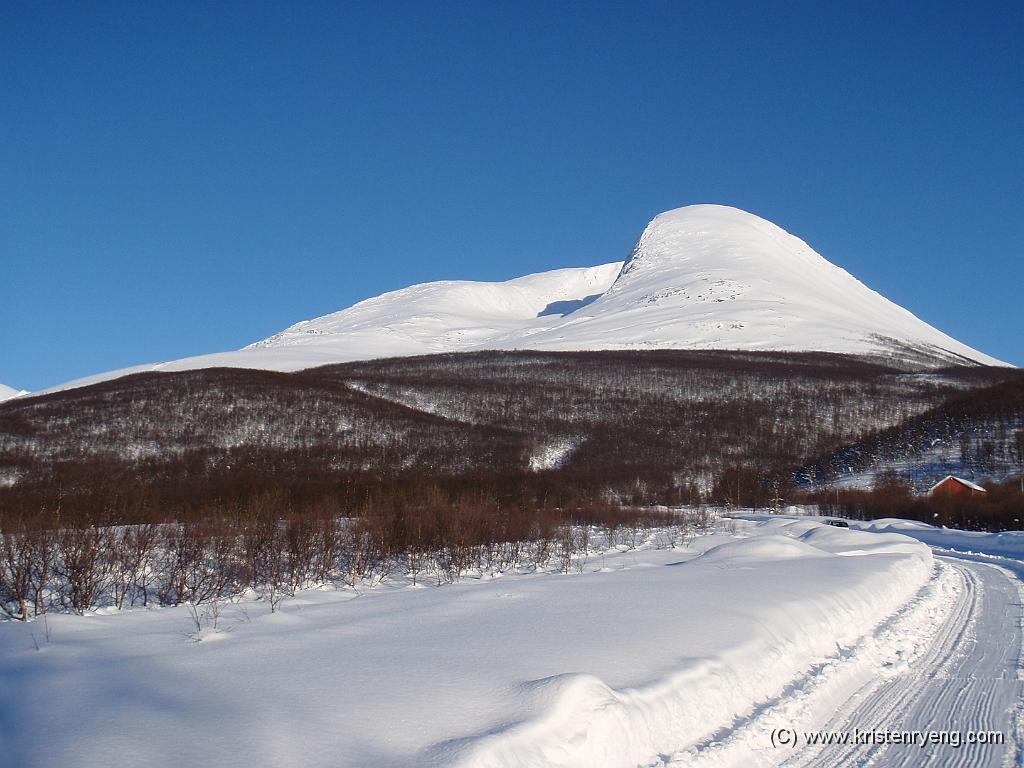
(968, 681)
(948, 663)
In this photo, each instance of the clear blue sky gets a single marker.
(190, 177)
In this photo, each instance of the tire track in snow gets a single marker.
(967, 678)
(937, 692)
(970, 681)
(951, 661)
(943, 604)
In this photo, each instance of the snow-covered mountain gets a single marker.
(6, 393)
(700, 277)
(713, 277)
(449, 315)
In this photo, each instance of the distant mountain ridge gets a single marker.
(700, 277)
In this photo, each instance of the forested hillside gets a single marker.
(977, 434)
(541, 428)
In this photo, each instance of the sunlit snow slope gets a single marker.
(713, 277)
(6, 393)
(700, 277)
(449, 315)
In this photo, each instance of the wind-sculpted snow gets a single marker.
(759, 549)
(645, 653)
(450, 315)
(700, 277)
(854, 543)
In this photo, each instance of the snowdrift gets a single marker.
(805, 615)
(1005, 544)
(645, 654)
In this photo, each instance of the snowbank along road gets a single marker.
(940, 683)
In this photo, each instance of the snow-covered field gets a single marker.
(647, 657)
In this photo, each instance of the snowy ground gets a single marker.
(653, 657)
(1005, 544)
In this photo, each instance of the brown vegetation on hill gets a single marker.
(668, 427)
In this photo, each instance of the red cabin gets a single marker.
(955, 486)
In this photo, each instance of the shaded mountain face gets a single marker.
(700, 277)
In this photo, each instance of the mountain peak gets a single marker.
(717, 277)
(699, 277)
(718, 233)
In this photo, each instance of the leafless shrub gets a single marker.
(206, 616)
(83, 565)
(131, 554)
(582, 546)
(273, 546)
(703, 520)
(16, 573)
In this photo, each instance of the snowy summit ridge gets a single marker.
(699, 277)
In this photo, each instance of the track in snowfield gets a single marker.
(949, 661)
